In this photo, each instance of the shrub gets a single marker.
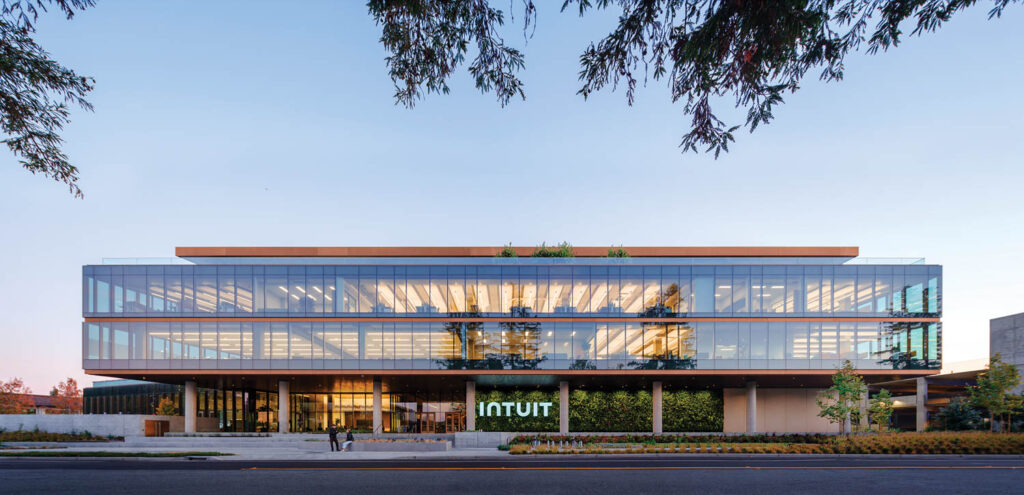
(958, 416)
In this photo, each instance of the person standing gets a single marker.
(332, 432)
(349, 438)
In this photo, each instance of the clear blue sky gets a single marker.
(246, 123)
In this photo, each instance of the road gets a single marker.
(625, 475)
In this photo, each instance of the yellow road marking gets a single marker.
(609, 468)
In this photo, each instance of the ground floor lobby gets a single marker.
(429, 402)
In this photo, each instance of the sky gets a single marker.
(243, 123)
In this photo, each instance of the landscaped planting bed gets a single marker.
(882, 443)
(42, 436)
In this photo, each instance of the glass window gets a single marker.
(797, 341)
(93, 346)
(705, 339)
(847, 337)
(560, 291)
(438, 289)
(206, 289)
(157, 296)
(655, 341)
(159, 336)
(135, 290)
(723, 290)
(229, 340)
(368, 289)
(314, 289)
(687, 341)
(726, 340)
(652, 289)
(758, 341)
(845, 294)
(137, 340)
(599, 289)
(581, 289)
(226, 282)
(703, 290)
(350, 341)
(812, 282)
(794, 290)
(331, 339)
(418, 292)
(740, 290)
(172, 281)
(456, 289)
(120, 341)
(277, 290)
(773, 290)
(208, 340)
(865, 289)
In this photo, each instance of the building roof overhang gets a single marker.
(491, 251)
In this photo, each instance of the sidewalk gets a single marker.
(313, 451)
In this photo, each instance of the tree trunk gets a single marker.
(991, 422)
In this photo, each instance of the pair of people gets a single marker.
(332, 432)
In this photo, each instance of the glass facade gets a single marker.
(579, 314)
(336, 345)
(512, 290)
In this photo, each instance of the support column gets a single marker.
(470, 405)
(378, 417)
(922, 404)
(751, 407)
(284, 415)
(563, 407)
(190, 406)
(656, 414)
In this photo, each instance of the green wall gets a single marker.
(619, 411)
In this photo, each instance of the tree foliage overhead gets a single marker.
(36, 91)
(754, 51)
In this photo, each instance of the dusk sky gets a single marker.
(246, 123)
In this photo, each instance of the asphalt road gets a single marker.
(626, 475)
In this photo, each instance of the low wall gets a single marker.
(118, 425)
(779, 410)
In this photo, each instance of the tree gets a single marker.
(992, 390)
(838, 402)
(166, 407)
(959, 415)
(36, 91)
(752, 51)
(14, 397)
(68, 398)
(880, 409)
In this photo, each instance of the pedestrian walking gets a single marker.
(332, 432)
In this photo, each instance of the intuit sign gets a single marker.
(522, 409)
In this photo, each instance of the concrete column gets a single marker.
(284, 415)
(751, 407)
(470, 405)
(922, 404)
(378, 416)
(563, 407)
(656, 414)
(190, 406)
